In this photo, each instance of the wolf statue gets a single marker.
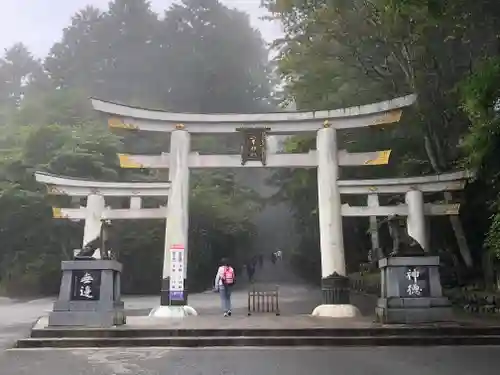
(87, 251)
(402, 243)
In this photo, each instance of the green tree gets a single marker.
(480, 95)
(217, 61)
(340, 53)
(121, 55)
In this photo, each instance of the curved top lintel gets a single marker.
(230, 118)
(81, 187)
(412, 181)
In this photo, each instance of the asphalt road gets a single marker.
(280, 361)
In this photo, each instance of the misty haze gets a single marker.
(220, 173)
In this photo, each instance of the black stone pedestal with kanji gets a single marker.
(89, 295)
(411, 291)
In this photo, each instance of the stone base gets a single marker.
(89, 295)
(411, 291)
(91, 319)
(336, 311)
(172, 312)
(413, 310)
(335, 289)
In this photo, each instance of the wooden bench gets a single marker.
(263, 301)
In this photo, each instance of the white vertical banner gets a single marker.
(177, 273)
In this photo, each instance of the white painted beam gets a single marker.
(430, 209)
(143, 213)
(58, 185)
(112, 214)
(128, 117)
(309, 160)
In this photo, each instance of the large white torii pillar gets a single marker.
(334, 280)
(173, 297)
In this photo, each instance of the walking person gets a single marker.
(250, 272)
(224, 281)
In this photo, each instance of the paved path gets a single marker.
(278, 361)
(17, 318)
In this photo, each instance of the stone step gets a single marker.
(374, 332)
(260, 341)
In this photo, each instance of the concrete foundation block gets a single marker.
(90, 319)
(336, 311)
(172, 312)
(413, 315)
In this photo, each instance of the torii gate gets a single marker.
(255, 127)
(96, 210)
(414, 208)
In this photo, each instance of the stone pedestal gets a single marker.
(336, 298)
(335, 289)
(411, 291)
(89, 295)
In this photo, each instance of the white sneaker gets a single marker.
(229, 313)
(225, 314)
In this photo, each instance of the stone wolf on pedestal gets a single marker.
(402, 243)
(87, 251)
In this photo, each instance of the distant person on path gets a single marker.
(250, 271)
(277, 255)
(224, 281)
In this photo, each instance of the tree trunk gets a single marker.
(455, 222)
(488, 272)
(459, 234)
(436, 155)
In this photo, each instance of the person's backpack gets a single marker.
(228, 276)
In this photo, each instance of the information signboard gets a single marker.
(176, 273)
